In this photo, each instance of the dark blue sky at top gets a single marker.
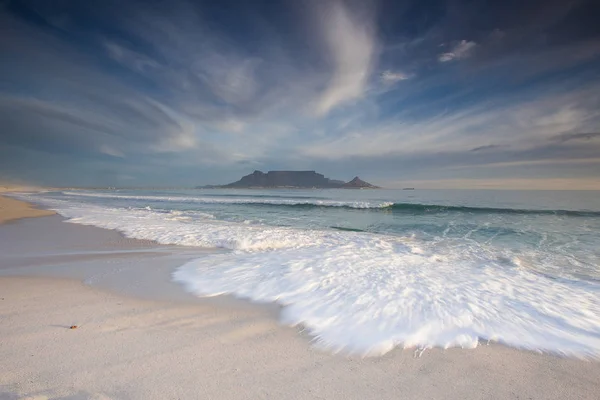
(441, 93)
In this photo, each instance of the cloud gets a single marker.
(105, 149)
(528, 163)
(180, 86)
(486, 147)
(136, 124)
(565, 137)
(502, 184)
(73, 103)
(351, 44)
(510, 124)
(462, 49)
(129, 58)
(389, 77)
(231, 125)
(231, 80)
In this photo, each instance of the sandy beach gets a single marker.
(11, 209)
(140, 336)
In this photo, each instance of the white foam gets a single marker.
(374, 294)
(368, 293)
(173, 227)
(238, 200)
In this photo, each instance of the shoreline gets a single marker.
(123, 250)
(149, 349)
(142, 336)
(13, 209)
(104, 259)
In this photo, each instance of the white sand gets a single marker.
(179, 347)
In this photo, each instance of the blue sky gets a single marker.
(402, 93)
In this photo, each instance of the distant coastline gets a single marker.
(291, 180)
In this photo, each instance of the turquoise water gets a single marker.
(562, 223)
(368, 270)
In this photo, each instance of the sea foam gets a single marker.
(370, 295)
(367, 293)
(263, 200)
(315, 202)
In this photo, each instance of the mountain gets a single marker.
(293, 179)
(358, 183)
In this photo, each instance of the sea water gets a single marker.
(365, 271)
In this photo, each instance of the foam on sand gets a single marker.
(127, 348)
(371, 295)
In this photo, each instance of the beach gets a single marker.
(11, 209)
(138, 335)
(323, 199)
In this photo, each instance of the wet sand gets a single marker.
(12, 209)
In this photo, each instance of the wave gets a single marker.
(342, 228)
(269, 196)
(314, 203)
(368, 293)
(417, 208)
(297, 202)
(432, 208)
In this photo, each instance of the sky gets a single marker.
(423, 93)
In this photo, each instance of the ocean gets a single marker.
(365, 271)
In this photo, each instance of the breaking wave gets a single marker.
(310, 202)
(368, 293)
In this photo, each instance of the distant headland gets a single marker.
(293, 179)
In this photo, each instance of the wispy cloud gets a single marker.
(487, 147)
(565, 137)
(131, 59)
(502, 183)
(352, 47)
(108, 150)
(180, 86)
(529, 163)
(389, 77)
(460, 50)
(511, 125)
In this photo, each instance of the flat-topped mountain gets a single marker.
(294, 179)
